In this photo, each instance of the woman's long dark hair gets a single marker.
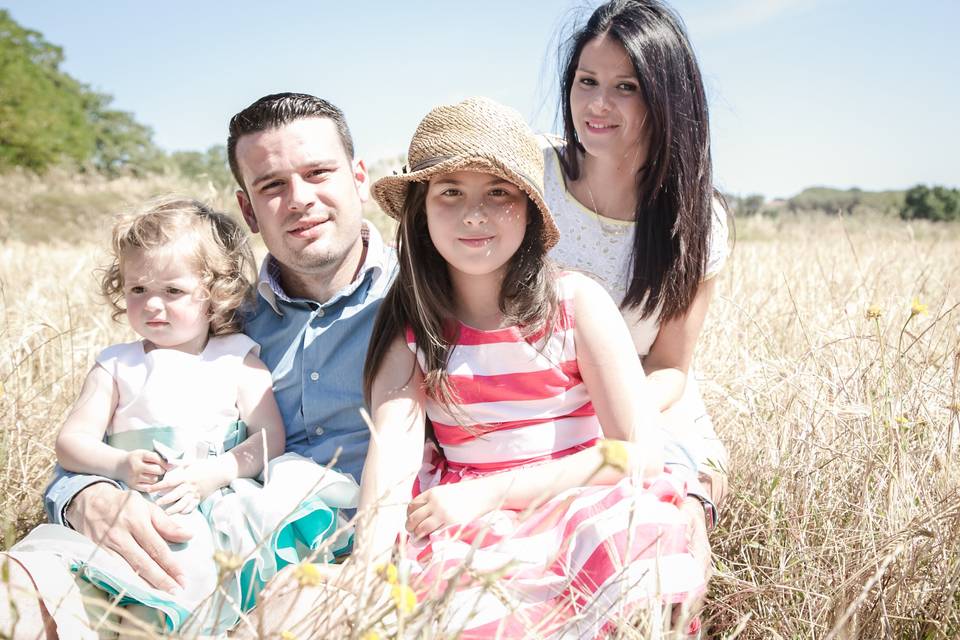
(675, 188)
(422, 297)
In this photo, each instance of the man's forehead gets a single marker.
(316, 138)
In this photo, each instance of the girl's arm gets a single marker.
(188, 486)
(394, 456)
(670, 356)
(619, 393)
(80, 447)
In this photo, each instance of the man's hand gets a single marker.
(697, 534)
(138, 530)
(186, 487)
(448, 504)
(140, 469)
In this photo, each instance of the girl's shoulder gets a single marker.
(237, 345)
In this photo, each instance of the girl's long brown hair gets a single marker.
(422, 297)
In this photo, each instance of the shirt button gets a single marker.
(314, 376)
(318, 431)
(319, 312)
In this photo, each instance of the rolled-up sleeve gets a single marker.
(63, 488)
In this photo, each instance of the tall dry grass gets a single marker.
(844, 521)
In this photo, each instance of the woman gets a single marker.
(630, 184)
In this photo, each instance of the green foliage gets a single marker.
(43, 111)
(210, 165)
(937, 204)
(848, 202)
(121, 144)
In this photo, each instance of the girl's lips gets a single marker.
(476, 242)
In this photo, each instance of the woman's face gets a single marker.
(609, 113)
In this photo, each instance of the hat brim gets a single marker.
(390, 192)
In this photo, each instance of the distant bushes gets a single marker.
(925, 203)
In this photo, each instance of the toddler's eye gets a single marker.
(174, 291)
(137, 290)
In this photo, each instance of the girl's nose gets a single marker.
(475, 215)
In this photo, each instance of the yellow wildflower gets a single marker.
(288, 635)
(388, 572)
(615, 454)
(370, 635)
(902, 420)
(227, 561)
(918, 308)
(307, 574)
(404, 598)
(874, 311)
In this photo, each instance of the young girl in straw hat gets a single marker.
(515, 365)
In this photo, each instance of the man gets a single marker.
(319, 290)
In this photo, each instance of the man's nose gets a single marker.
(301, 194)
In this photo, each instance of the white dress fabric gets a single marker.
(185, 406)
(601, 247)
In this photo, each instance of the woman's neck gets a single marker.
(608, 186)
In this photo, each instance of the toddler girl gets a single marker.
(516, 367)
(187, 415)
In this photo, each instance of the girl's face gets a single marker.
(166, 303)
(477, 221)
(609, 113)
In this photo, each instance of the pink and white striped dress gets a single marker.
(572, 564)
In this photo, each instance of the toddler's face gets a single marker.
(477, 221)
(166, 303)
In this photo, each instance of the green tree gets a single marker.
(209, 165)
(43, 116)
(121, 144)
(937, 204)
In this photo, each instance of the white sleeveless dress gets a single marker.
(185, 406)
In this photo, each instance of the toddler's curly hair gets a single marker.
(215, 243)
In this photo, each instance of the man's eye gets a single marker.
(271, 185)
(319, 172)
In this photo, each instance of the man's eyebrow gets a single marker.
(324, 164)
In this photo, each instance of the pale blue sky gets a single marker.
(802, 92)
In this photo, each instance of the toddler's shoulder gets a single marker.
(238, 345)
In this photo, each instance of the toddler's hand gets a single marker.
(446, 505)
(187, 486)
(140, 469)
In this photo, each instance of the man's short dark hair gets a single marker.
(277, 110)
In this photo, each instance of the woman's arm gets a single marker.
(187, 486)
(394, 456)
(668, 361)
(80, 447)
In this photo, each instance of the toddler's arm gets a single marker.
(187, 486)
(80, 447)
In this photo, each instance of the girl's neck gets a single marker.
(477, 300)
(608, 186)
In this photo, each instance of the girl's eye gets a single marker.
(499, 193)
(450, 193)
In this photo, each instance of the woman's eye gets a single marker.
(589, 82)
(627, 86)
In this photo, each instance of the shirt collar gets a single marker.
(268, 285)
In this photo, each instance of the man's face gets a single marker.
(303, 195)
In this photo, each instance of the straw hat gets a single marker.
(477, 134)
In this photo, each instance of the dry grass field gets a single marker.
(831, 359)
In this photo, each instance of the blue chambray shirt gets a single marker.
(316, 353)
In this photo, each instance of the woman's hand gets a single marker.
(449, 504)
(140, 469)
(186, 487)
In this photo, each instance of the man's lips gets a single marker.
(305, 229)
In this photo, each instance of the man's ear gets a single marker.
(247, 210)
(362, 179)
